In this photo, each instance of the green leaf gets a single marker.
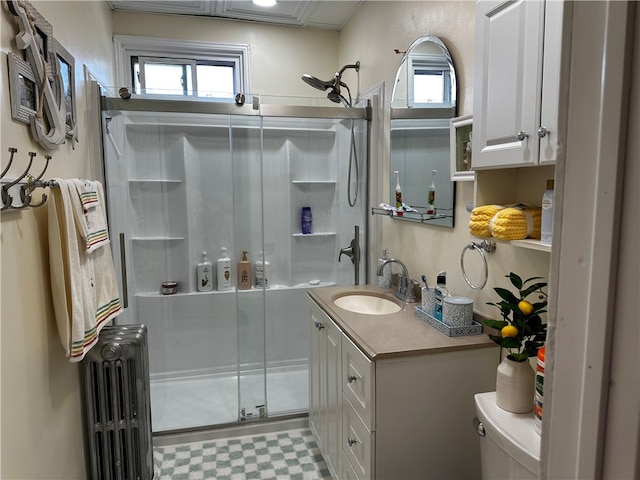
(509, 342)
(531, 279)
(515, 280)
(532, 288)
(496, 338)
(507, 295)
(497, 324)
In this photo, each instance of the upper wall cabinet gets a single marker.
(517, 83)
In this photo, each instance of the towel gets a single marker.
(89, 213)
(480, 219)
(83, 284)
(516, 223)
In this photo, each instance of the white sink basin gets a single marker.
(367, 304)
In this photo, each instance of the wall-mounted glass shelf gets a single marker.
(420, 215)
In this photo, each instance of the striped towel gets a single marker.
(90, 213)
(83, 284)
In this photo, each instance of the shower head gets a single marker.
(334, 84)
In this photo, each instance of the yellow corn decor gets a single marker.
(480, 218)
(516, 223)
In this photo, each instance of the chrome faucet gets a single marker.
(404, 290)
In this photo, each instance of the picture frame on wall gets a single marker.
(23, 89)
(66, 68)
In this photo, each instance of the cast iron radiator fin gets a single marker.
(116, 403)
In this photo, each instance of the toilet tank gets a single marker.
(510, 447)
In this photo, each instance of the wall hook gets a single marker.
(13, 152)
(7, 199)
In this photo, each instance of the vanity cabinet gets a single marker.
(517, 83)
(404, 416)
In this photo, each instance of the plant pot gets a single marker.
(515, 386)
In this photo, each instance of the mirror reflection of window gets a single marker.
(429, 81)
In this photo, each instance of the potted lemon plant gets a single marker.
(522, 333)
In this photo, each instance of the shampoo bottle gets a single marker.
(224, 270)
(431, 201)
(244, 273)
(441, 292)
(262, 269)
(204, 274)
(546, 226)
(384, 280)
(399, 209)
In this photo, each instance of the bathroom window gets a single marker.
(154, 66)
(430, 82)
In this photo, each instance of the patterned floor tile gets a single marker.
(292, 454)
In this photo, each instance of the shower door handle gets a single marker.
(123, 270)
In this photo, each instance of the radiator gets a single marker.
(116, 403)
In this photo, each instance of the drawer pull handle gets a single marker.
(319, 326)
(351, 378)
(351, 441)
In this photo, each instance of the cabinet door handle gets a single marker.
(351, 378)
(543, 131)
(522, 135)
(319, 326)
(351, 441)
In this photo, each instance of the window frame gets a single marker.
(426, 62)
(128, 46)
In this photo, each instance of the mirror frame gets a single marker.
(445, 214)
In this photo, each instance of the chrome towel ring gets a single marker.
(481, 247)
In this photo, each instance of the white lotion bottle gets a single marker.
(546, 224)
(224, 270)
(204, 274)
(262, 271)
(384, 280)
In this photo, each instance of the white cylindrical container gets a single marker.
(262, 272)
(457, 311)
(384, 280)
(204, 274)
(224, 270)
(546, 227)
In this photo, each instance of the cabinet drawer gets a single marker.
(348, 472)
(358, 377)
(358, 444)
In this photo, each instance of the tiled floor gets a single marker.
(290, 454)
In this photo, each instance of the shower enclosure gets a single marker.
(186, 177)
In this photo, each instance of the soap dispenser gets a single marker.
(224, 270)
(204, 274)
(244, 272)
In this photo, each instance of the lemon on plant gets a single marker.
(509, 331)
(525, 307)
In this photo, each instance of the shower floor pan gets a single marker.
(210, 400)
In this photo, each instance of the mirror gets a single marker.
(422, 105)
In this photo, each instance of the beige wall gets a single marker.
(40, 414)
(371, 36)
(41, 424)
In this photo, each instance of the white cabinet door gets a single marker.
(507, 83)
(325, 387)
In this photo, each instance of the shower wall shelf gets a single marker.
(153, 180)
(160, 238)
(313, 182)
(318, 234)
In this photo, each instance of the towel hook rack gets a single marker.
(26, 183)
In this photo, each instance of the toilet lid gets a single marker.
(514, 432)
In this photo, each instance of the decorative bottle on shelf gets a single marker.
(546, 230)
(431, 201)
(306, 220)
(262, 270)
(399, 209)
(224, 270)
(244, 272)
(204, 274)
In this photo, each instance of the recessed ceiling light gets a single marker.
(264, 3)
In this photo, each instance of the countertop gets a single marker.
(398, 334)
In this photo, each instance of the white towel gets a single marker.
(83, 284)
(90, 213)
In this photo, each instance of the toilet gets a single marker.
(509, 443)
